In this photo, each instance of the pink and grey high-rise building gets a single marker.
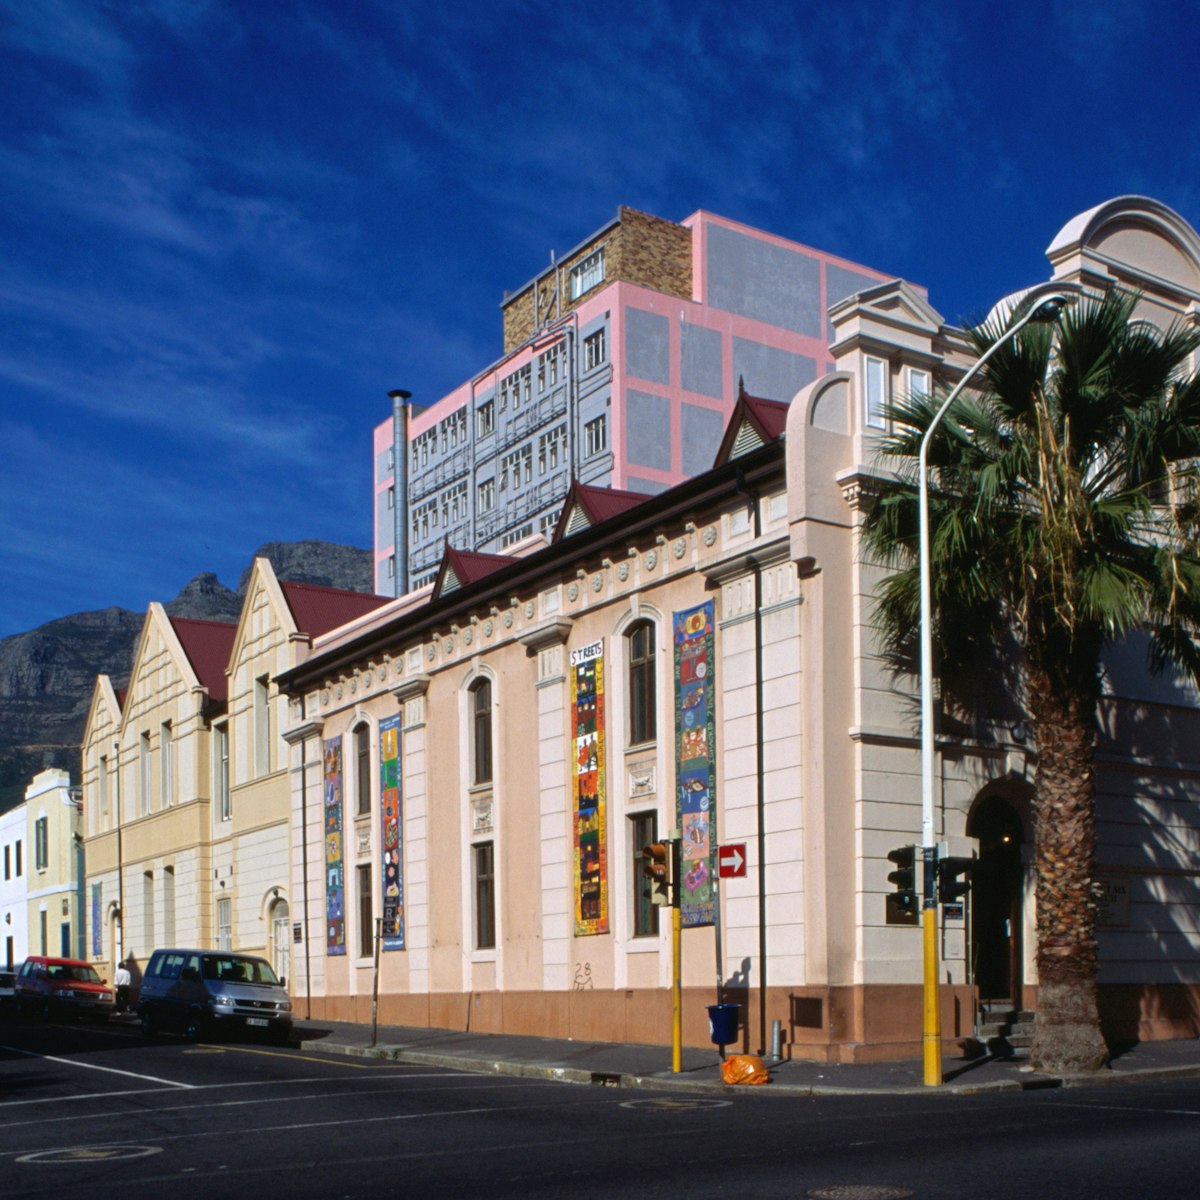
(621, 363)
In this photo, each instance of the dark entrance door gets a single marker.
(996, 899)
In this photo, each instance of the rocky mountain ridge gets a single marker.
(47, 674)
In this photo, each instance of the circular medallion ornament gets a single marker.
(623, 572)
(573, 592)
(429, 654)
(325, 696)
(710, 535)
(338, 692)
(487, 628)
(468, 636)
(508, 620)
(651, 560)
(529, 609)
(382, 674)
(679, 547)
(448, 646)
(597, 582)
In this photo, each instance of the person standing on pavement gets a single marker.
(121, 980)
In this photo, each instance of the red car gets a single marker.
(62, 987)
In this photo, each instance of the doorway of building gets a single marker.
(997, 899)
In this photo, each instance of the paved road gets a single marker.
(96, 1112)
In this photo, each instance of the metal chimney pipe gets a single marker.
(400, 399)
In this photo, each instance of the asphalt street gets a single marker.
(97, 1111)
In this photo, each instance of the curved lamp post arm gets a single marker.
(1043, 308)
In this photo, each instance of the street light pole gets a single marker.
(1045, 302)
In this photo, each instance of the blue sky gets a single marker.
(228, 229)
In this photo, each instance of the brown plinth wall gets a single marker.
(834, 1025)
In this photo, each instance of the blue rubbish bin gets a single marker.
(723, 1023)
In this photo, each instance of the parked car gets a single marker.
(205, 993)
(61, 987)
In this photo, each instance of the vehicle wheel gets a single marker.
(149, 1026)
(194, 1029)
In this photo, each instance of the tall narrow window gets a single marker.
(166, 762)
(362, 768)
(643, 828)
(485, 895)
(148, 908)
(102, 785)
(144, 774)
(262, 726)
(225, 923)
(876, 391)
(221, 772)
(41, 843)
(366, 919)
(169, 906)
(642, 691)
(481, 731)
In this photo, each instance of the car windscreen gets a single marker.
(231, 969)
(79, 974)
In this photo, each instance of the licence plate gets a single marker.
(257, 1021)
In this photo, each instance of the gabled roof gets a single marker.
(462, 567)
(317, 610)
(208, 645)
(585, 506)
(754, 422)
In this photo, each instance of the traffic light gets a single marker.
(950, 886)
(657, 869)
(905, 878)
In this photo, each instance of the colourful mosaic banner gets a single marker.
(97, 917)
(591, 834)
(335, 883)
(393, 846)
(695, 760)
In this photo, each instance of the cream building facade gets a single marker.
(185, 779)
(476, 767)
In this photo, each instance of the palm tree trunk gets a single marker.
(1067, 1036)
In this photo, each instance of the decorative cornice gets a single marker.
(298, 733)
(553, 633)
(410, 688)
(745, 558)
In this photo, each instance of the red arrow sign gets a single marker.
(731, 861)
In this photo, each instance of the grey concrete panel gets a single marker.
(647, 430)
(701, 360)
(701, 430)
(651, 487)
(764, 282)
(769, 372)
(840, 283)
(382, 470)
(384, 518)
(647, 346)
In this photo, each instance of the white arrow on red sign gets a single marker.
(731, 861)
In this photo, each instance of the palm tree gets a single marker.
(1063, 514)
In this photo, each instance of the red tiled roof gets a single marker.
(766, 418)
(317, 610)
(208, 645)
(598, 505)
(462, 567)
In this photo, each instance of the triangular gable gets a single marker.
(585, 506)
(754, 422)
(894, 302)
(104, 710)
(462, 567)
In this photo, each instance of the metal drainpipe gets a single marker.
(400, 399)
(760, 757)
(120, 864)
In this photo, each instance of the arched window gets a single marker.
(639, 642)
(481, 731)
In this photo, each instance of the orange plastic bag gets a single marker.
(744, 1068)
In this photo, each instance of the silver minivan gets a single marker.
(204, 993)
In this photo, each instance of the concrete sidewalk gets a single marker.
(650, 1066)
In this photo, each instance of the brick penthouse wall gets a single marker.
(641, 249)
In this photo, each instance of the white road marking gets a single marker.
(70, 1062)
